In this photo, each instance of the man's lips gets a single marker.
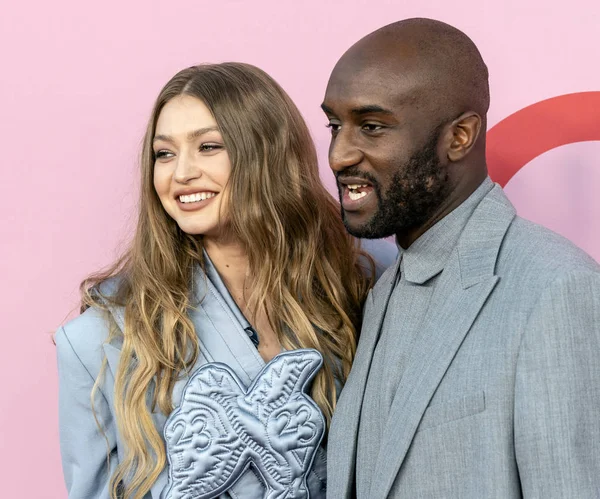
(355, 192)
(353, 181)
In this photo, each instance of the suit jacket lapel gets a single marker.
(344, 427)
(112, 354)
(461, 292)
(221, 334)
(439, 340)
(220, 326)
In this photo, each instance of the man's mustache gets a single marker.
(356, 173)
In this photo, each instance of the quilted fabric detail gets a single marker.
(222, 427)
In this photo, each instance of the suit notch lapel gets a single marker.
(344, 429)
(461, 292)
(113, 354)
(437, 345)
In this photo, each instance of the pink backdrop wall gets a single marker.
(77, 82)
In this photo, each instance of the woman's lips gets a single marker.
(195, 201)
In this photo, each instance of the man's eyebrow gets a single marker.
(370, 109)
(359, 111)
(190, 136)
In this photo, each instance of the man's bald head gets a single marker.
(407, 107)
(446, 62)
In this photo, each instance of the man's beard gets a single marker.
(416, 191)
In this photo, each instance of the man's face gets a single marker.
(383, 151)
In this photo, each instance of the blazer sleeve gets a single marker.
(557, 392)
(89, 456)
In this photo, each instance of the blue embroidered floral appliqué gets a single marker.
(221, 428)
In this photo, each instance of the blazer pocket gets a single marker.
(452, 410)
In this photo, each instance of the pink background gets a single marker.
(78, 80)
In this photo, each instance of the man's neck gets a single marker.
(461, 192)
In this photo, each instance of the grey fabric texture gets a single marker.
(81, 349)
(499, 396)
(415, 284)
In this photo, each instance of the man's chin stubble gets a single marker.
(366, 230)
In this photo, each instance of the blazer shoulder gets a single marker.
(530, 247)
(83, 338)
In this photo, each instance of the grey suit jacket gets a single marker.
(82, 346)
(501, 395)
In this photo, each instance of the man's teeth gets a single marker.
(353, 192)
(356, 195)
(199, 196)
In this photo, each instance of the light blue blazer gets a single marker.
(81, 347)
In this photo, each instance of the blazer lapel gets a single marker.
(341, 452)
(461, 292)
(220, 326)
(112, 357)
(112, 351)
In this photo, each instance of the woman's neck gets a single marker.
(231, 261)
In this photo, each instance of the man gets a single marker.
(477, 373)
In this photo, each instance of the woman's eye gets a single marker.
(210, 147)
(161, 154)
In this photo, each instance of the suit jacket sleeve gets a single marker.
(557, 392)
(88, 456)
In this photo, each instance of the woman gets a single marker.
(239, 253)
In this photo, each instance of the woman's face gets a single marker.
(192, 167)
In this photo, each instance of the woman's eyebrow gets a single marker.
(190, 136)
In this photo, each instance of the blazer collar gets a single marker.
(467, 280)
(429, 254)
(480, 242)
(219, 324)
(460, 293)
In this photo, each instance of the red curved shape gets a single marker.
(535, 129)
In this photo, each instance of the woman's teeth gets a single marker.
(354, 193)
(199, 196)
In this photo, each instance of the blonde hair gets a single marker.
(307, 275)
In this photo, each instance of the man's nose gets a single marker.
(187, 169)
(343, 151)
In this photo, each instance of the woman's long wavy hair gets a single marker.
(306, 269)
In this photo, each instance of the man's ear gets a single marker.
(462, 135)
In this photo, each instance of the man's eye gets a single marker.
(334, 127)
(209, 147)
(163, 154)
(372, 127)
